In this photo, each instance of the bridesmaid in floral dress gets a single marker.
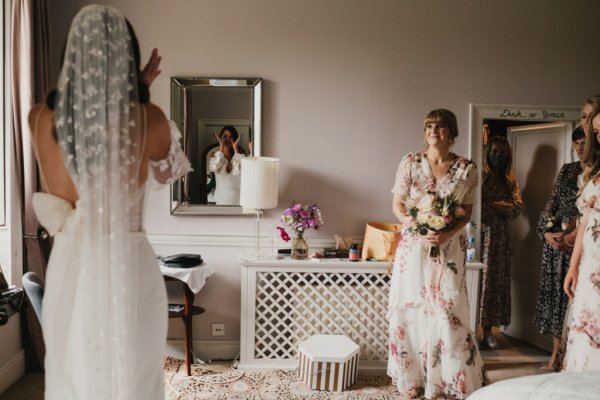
(582, 283)
(433, 353)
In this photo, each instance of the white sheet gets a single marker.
(555, 386)
(195, 277)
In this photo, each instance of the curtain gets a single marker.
(31, 80)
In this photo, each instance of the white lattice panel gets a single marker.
(286, 301)
(292, 306)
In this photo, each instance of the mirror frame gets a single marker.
(179, 86)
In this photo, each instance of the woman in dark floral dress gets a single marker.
(560, 211)
(501, 202)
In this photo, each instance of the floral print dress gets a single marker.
(552, 300)
(432, 351)
(496, 250)
(583, 336)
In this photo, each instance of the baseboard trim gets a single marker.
(12, 371)
(206, 349)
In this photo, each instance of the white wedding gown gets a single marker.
(63, 315)
(227, 188)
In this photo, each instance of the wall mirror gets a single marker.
(201, 108)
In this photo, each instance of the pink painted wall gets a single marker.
(347, 84)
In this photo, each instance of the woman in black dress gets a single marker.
(553, 228)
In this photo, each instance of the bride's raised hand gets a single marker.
(151, 71)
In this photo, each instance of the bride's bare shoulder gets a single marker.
(159, 133)
(155, 112)
(41, 119)
(157, 120)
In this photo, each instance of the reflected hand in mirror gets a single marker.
(235, 145)
(222, 147)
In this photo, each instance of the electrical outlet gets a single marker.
(218, 329)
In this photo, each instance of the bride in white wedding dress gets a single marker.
(97, 139)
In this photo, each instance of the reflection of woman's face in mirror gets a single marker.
(585, 116)
(226, 138)
(579, 146)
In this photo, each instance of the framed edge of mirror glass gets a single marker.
(180, 204)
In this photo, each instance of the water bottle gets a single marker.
(471, 248)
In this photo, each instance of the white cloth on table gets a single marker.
(194, 277)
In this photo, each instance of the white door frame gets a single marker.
(510, 112)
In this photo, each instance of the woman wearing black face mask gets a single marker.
(501, 201)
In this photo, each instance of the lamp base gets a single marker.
(259, 215)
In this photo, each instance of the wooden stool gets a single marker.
(189, 310)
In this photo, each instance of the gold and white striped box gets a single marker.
(328, 362)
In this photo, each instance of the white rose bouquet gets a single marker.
(552, 221)
(435, 213)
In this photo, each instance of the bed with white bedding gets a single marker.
(555, 386)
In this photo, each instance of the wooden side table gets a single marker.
(189, 310)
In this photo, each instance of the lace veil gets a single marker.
(98, 126)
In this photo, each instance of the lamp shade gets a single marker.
(259, 182)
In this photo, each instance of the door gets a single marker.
(539, 151)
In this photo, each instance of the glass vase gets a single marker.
(299, 248)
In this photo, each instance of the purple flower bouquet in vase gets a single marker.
(299, 218)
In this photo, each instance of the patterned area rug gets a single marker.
(272, 384)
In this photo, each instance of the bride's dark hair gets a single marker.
(143, 89)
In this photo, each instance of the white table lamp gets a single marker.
(259, 187)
